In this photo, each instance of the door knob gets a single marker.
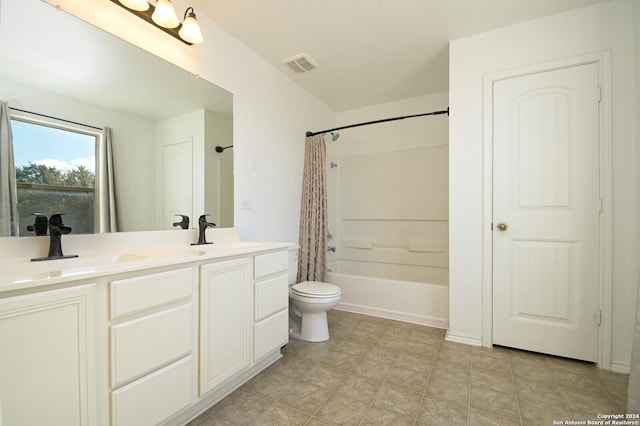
(502, 226)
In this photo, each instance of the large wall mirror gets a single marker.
(64, 79)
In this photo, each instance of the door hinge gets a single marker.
(598, 317)
(598, 94)
(600, 205)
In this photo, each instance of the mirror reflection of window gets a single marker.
(55, 172)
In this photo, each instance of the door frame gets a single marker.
(603, 60)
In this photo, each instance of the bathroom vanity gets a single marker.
(150, 335)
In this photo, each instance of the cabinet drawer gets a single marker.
(136, 294)
(270, 263)
(271, 296)
(144, 344)
(153, 398)
(271, 333)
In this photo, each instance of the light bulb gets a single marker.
(165, 15)
(190, 31)
(139, 5)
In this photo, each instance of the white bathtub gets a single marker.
(425, 303)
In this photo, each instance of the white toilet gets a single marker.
(309, 303)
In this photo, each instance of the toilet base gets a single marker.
(314, 327)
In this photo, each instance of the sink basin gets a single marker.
(25, 270)
(183, 252)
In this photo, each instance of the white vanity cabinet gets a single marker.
(225, 321)
(152, 346)
(47, 357)
(133, 344)
(271, 309)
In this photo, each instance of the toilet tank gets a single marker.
(293, 263)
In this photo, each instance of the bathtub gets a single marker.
(425, 303)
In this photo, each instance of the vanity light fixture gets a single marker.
(163, 16)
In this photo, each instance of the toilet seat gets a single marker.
(316, 290)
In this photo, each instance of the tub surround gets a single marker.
(141, 328)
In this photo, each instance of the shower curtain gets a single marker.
(8, 189)
(107, 208)
(312, 264)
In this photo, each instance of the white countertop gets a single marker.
(22, 273)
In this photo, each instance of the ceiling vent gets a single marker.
(300, 63)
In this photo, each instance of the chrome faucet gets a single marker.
(202, 227)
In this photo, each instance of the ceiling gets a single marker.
(368, 51)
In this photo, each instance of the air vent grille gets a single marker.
(300, 63)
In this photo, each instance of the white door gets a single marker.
(546, 212)
(177, 183)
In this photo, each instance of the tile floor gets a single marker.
(374, 371)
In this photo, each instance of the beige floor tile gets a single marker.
(377, 416)
(502, 381)
(583, 406)
(499, 403)
(324, 376)
(281, 415)
(396, 398)
(359, 388)
(479, 417)
(439, 412)
(421, 363)
(272, 385)
(445, 388)
(343, 411)
(242, 407)
(371, 368)
(538, 412)
(374, 371)
(306, 397)
(414, 381)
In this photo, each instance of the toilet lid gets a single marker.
(316, 289)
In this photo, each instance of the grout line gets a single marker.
(515, 389)
(426, 386)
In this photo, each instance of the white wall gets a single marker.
(133, 141)
(271, 114)
(388, 211)
(605, 26)
(390, 189)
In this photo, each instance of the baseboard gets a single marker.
(393, 315)
(465, 340)
(620, 367)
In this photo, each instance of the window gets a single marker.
(55, 172)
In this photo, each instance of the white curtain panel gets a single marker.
(107, 205)
(312, 264)
(9, 225)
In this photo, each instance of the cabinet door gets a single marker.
(225, 321)
(47, 360)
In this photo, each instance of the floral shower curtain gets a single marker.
(8, 190)
(312, 264)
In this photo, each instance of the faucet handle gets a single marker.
(39, 224)
(184, 223)
(56, 219)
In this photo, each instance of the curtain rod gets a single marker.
(56, 118)
(446, 111)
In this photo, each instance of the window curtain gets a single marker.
(107, 205)
(9, 222)
(312, 264)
